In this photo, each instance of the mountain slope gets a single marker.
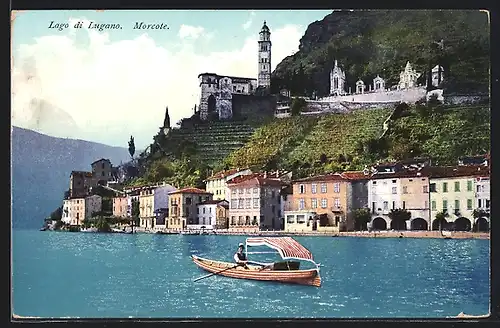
(367, 43)
(41, 166)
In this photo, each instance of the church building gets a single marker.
(217, 90)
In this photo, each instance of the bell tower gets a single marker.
(264, 71)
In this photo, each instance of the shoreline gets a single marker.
(359, 234)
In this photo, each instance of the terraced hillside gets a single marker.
(214, 140)
(307, 139)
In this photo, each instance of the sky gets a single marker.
(105, 86)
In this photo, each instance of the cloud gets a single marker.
(106, 91)
(249, 22)
(188, 31)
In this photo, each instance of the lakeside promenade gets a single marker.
(364, 234)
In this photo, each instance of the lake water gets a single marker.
(60, 274)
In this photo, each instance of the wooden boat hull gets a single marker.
(302, 277)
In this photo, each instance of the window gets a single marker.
(433, 205)
(386, 205)
(301, 219)
(102, 173)
(302, 189)
(487, 201)
(445, 186)
(393, 205)
(405, 189)
(337, 202)
(469, 185)
(314, 203)
(445, 205)
(457, 186)
(199, 199)
(273, 208)
(240, 203)
(323, 188)
(425, 189)
(479, 203)
(302, 204)
(393, 181)
(255, 190)
(290, 219)
(479, 188)
(324, 203)
(404, 204)
(272, 194)
(187, 211)
(394, 190)
(188, 200)
(469, 204)
(240, 191)
(336, 187)
(255, 203)
(313, 188)
(457, 204)
(233, 191)
(374, 182)
(432, 187)
(248, 203)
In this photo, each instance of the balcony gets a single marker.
(336, 209)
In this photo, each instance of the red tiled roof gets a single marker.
(212, 202)
(258, 179)
(224, 174)
(323, 177)
(355, 175)
(457, 171)
(189, 191)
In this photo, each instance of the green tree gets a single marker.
(131, 147)
(297, 106)
(361, 218)
(102, 224)
(398, 217)
(441, 217)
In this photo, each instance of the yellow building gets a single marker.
(146, 207)
(183, 206)
(217, 183)
(452, 191)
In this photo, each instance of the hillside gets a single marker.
(367, 43)
(41, 166)
(349, 141)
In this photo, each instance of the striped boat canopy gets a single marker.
(286, 246)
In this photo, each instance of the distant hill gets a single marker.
(371, 42)
(41, 166)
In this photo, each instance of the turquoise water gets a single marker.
(58, 274)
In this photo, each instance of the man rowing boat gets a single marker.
(240, 257)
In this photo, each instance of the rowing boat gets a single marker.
(285, 272)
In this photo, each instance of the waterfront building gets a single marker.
(211, 214)
(66, 212)
(378, 84)
(160, 205)
(120, 206)
(146, 207)
(92, 204)
(132, 196)
(452, 191)
(77, 211)
(216, 184)
(255, 202)
(482, 203)
(183, 207)
(332, 197)
(80, 183)
(400, 187)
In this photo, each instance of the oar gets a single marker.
(214, 273)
